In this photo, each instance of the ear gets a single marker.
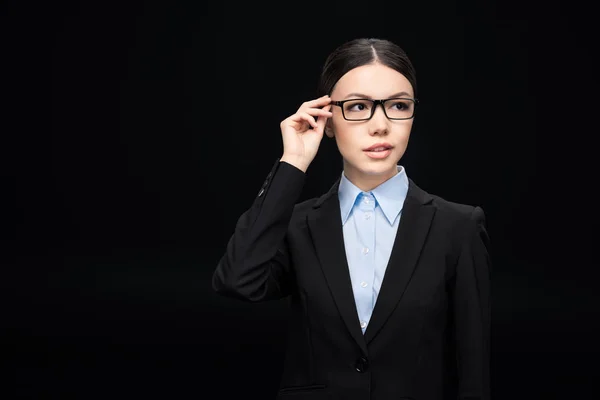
(329, 129)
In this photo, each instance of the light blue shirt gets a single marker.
(370, 221)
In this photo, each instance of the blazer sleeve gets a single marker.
(256, 265)
(472, 310)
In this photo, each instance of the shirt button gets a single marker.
(363, 284)
(363, 324)
(365, 250)
(367, 215)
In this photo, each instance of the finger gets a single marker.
(320, 102)
(319, 112)
(322, 120)
(301, 116)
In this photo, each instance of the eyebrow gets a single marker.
(364, 96)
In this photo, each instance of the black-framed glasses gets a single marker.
(363, 109)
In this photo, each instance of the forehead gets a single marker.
(374, 80)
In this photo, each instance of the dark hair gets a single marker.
(364, 51)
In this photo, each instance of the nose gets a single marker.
(378, 124)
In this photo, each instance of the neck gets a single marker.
(367, 182)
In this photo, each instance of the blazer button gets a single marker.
(262, 188)
(361, 365)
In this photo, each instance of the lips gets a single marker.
(379, 151)
(379, 147)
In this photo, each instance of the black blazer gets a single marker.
(429, 334)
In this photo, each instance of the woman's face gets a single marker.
(368, 169)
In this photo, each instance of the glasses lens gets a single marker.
(357, 109)
(361, 109)
(399, 108)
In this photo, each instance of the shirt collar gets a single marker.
(390, 195)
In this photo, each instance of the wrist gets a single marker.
(296, 161)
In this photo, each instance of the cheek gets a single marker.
(343, 129)
(403, 131)
(346, 136)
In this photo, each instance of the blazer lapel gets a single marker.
(325, 224)
(412, 231)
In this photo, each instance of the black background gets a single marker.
(136, 133)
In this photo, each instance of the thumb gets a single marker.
(322, 120)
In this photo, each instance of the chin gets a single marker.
(381, 171)
(380, 167)
(366, 166)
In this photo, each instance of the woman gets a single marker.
(389, 286)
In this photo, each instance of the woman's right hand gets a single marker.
(302, 132)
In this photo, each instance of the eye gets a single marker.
(399, 108)
(357, 106)
(399, 105)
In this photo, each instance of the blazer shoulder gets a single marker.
(449, 210)
(460, 221)
(453, 208)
